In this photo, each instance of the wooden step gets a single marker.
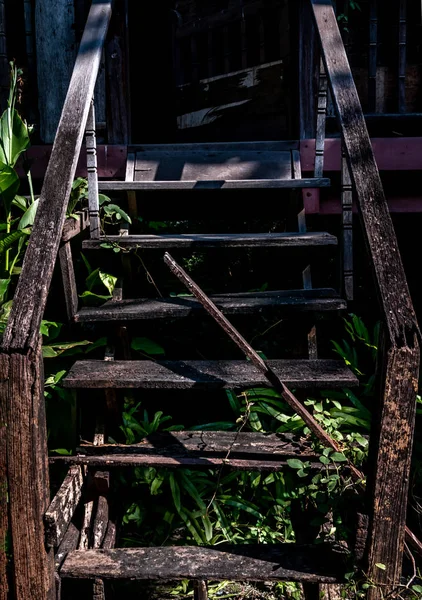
(315, 300)
(249, 451)
(214, 166)
(216, 240)
(201, 374)
(284, 562)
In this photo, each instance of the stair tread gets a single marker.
(316, 300)
(215, 184)
(191, 374)
(210, 240)
(241, 444)
(214, 166)
(200, 449)
(288, 562)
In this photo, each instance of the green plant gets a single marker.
(18, 213)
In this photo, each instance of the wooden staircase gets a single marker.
(91, 553)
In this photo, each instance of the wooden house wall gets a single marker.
(179, 70)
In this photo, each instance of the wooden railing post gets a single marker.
(393, 436)
(24, 449)
(23, 434)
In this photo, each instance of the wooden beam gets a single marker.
(308, 72)
(63, 506)
(387, 521)
(69, 281)
(24, 449)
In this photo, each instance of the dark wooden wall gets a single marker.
(204, 69)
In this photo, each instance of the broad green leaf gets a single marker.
(338, 457)
(52, 350)
(380, 566)
(9, 185)
(28, 217)
(113, 209)
(14, 137)
(143, 344)
(86, 263)
(4, 284)
(295, 463)
(20, 202)
(88, 294)
(108, 280)
(62, 451)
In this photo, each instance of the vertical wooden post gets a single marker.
(55, 45)
(373, 56)
(25, 441)
(389, 479)
(91, 158)
(308, 72)
(321, 121)
(347, 223)
(117, 77)
(402, 56)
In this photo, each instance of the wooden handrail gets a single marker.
(392, 444)
(31, 294)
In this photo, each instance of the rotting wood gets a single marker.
(132, 460)
(315, 300)
(263, 366)
(25, 476)
(23, 325)
(100, 523)
(85, 537)
(69, 543)
(401, 354)
(288, 562)
(203, 443)
(197, 374)
(221, 240)
(69, 281)
(110, 536)
(62, 507)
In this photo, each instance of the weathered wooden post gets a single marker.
(392, 435)
(23, 434)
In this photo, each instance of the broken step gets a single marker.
(320, 563)
(314, 300)
(202, 374)
(248, 451)
(214, 240)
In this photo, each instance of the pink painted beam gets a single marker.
(392, 154)
(111, 161)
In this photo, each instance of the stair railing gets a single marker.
(24, 481)
(394, 418)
